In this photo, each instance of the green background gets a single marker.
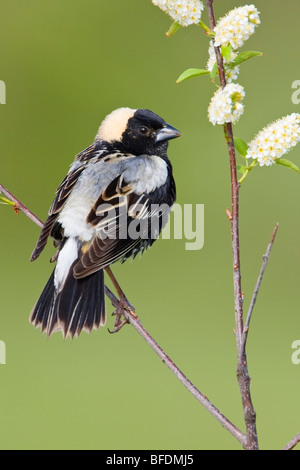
(66, 64)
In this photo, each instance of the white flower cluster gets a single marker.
(226, 104)
(275, 140)
(237, 26)
(231, 73)
(184, 12)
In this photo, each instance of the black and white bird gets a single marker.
(112, 204)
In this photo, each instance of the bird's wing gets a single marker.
(117, 210)
(62, 193)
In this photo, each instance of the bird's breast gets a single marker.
(147, 173)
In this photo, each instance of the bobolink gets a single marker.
(112, 204)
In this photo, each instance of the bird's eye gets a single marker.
(143, 130)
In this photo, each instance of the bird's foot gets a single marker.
(121, 320)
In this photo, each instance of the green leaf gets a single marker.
(189, 73)
(241, 146)
(226, 52)
(243, 56)
(214, 70)
(287, 163)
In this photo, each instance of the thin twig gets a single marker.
(21, 206)
(292, 444)
(130, 317)
(242, 367)
(266, 257)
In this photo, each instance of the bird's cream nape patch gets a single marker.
(115, 124)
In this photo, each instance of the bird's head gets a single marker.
(137, 131)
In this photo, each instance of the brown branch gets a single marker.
(292, 444)
(242, 367)
(257, 286)
(125, 309)
(21, 206)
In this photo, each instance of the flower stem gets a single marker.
(249, 168)
(173, 28)
(208, 31)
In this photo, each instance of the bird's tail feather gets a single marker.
(80, 305)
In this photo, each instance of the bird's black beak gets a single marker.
(166, 133)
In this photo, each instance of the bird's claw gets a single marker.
(119, 313)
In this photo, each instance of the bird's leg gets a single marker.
(118, 312)
(121, 304)
(124, 302)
